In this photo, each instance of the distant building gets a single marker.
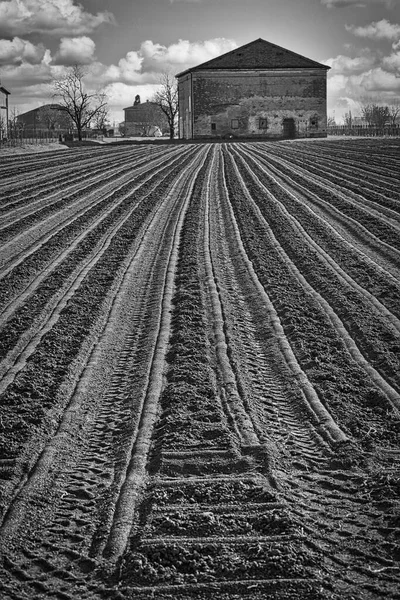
(4, 112)
(259, 90)
(144, 119)
(44, 118)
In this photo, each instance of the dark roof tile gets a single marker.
(258, 54)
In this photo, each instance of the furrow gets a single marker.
(109, 207)
(270, 361)
(351, 204)
(342, 231)
(41, 214)
(372, 186)
(351, 329)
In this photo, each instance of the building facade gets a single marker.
(4, 116)
(48, 117)
(144, 119)
(259, 90)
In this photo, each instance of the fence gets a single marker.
(42, 136)
(365, 130)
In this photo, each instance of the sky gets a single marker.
(125, 45)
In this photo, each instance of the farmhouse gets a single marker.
(3, 112)
(257, 90)
(43, 118)
(145, 118)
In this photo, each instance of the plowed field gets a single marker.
(200, 372)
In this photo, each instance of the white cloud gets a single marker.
(146, 64)
(183, 54)
(18, 51)
(128, 69)
(79, 50)
(54, 17)
(378, 80)
(346, 65)
(378, 30)
(136, 73)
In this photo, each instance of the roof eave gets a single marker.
(200, 68)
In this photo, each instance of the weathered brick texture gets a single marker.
(270, 103)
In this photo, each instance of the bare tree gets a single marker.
(394, 111)
(167, 99)
(375, 115)
(15, 126)
(52, 117)
(3, 128)
(80, 105)
(100, 119)
(348, 119)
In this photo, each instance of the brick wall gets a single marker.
(267, 104)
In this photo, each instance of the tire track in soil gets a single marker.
(114, 425)
(215, 514)
(210, 521)
(35, 389)
(335, 504)
(312, 328)
(263, 361)
(357, 318)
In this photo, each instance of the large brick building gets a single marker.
(144, 118)
(4, 116)
(44, 118)
(257, 90)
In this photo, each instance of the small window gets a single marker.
(213, 126)
(235, 124)
(314, 122)
(263, 124)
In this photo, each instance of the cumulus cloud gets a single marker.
(54, 17)
(348, 92)
(18, 51)
(146, 64)
(356, 3)
(378, 30)
(183, 54)
(346, 65)
(78, 50)
(378, 80)
(138, 72)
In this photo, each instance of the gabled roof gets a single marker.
(3, 89)
(258, 54)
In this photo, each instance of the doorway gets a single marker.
(289, 128)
